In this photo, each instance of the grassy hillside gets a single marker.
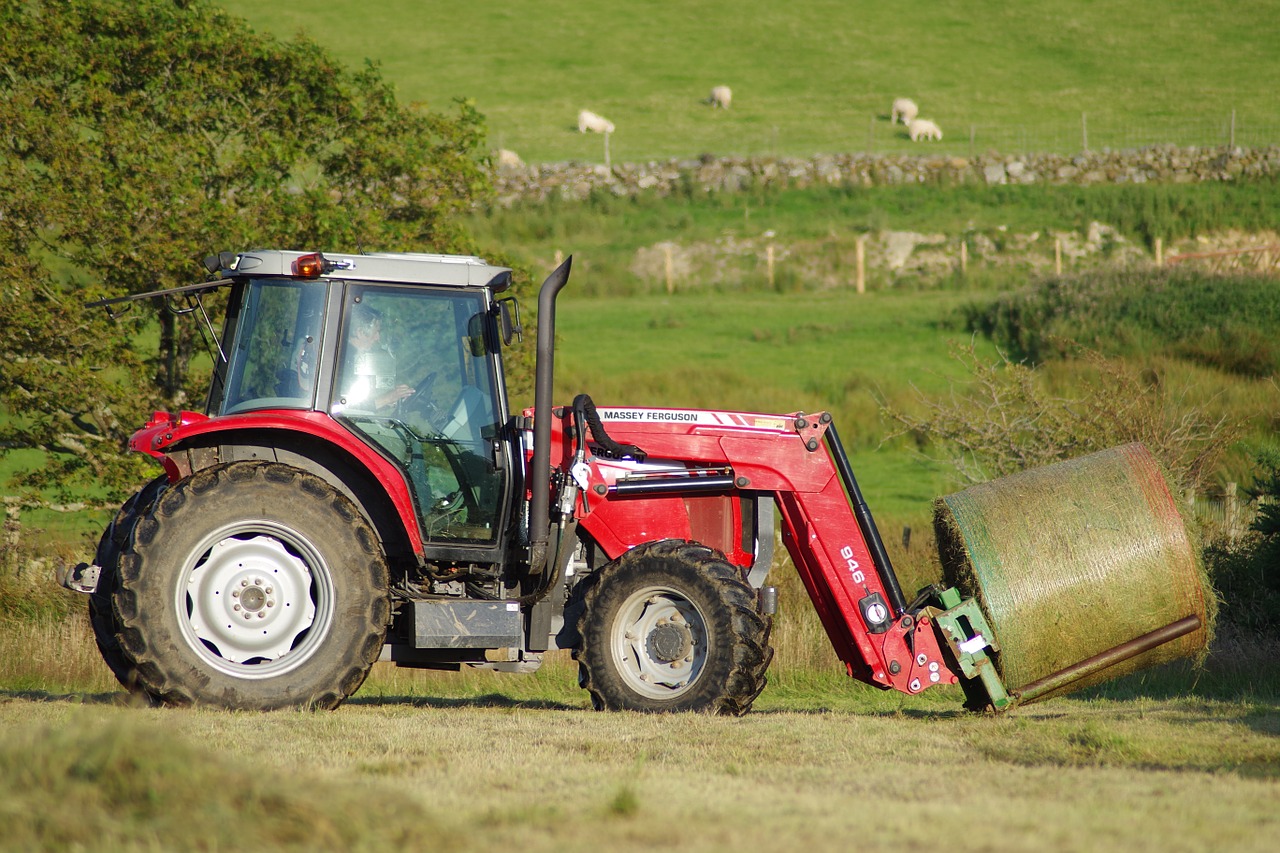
(775, 353)
(816, 76)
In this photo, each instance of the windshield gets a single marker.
(273, 360)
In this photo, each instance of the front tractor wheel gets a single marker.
(672, 626)
(252, 586)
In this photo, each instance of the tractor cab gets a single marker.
(400, 350)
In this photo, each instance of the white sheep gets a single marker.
(904, 109)
(922, 128)
(509, 159)
(588, 120)
(721, 96)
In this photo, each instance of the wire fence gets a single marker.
(1087, 135)
(1229, 513)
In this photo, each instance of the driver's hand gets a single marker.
(395, 395)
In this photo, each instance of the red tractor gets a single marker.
(356, 492)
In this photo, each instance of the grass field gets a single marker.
(1171, 760)
(817, 76)
(765, 352)
(478, 761)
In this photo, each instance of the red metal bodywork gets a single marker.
(768, 455)
(164, 432)
(772, 456)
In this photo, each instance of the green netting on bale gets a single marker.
(1072, 559)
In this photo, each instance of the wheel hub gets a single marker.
(660, 642)
(670, 642)
(250, 599)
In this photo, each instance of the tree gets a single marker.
(138, 136)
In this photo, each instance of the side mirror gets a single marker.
(509, 320)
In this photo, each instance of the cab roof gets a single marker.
(394, 267)
(398, 267)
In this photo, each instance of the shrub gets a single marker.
(1221, 321)
(1005, 420)
(1247, 572)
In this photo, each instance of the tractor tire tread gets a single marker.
(749, 656)
(172, 680)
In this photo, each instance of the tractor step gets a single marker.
(447, 624)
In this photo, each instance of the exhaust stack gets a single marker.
(543, 391)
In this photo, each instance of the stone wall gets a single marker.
(516, 181)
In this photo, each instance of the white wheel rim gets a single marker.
(256, 601)
(659, 643)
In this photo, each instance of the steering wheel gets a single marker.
(420, 399)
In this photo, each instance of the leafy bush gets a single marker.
(1247, 572)
(1226, 322)
(1005, 420)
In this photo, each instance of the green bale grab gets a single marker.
(1073, 559)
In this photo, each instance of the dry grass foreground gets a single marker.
(518, 761)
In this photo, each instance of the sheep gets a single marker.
(905, 109)
(922, 128)
(588, 120)
(508, 159)
(721, 96)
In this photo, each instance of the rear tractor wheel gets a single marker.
(672, 626)
(101, 612)
(252, 586)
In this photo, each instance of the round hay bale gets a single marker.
(1073, 559)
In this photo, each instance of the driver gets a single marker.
(368, 378)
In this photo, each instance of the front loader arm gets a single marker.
(797, 461)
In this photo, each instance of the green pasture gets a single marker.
(775, 353)
(817, 76)
(818, 227)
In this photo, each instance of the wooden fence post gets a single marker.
(12, 533)
(1231, 512)
(860, 258)
(671, 282)
(768, 255)
(1159, 252)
